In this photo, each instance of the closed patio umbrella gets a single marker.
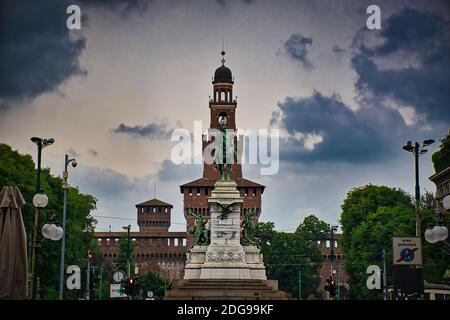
(13, 245)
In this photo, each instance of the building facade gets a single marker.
(442, 181)
(333, 267)
(157, 249)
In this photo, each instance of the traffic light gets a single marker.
(332, 288)
(327, 286)
(131, 286)
(93, 280)
(91, 283)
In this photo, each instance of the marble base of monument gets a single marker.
(252, 269)
(225, 269)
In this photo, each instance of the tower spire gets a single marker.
(223, 51)
(223, 57)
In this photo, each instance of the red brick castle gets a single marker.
(158, 249)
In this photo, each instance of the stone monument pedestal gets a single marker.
(225, 269)
(197, 257)
(225, 256)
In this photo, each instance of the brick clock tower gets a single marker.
(163, 251)
(196, 192)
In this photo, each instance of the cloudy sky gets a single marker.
(345, 98)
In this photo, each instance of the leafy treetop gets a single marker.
(441, 158)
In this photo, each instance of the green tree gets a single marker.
(122, 253)
(369, 239)
(264, 232)
(286, 254)
(151, 281)
(441, 158)
(107, 269)
(371, 216)
(19, 170)
(313, 229)
(367, 199)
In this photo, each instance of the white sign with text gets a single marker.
(407, 251)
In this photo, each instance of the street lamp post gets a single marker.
(63, 245)
(417, 150)
(337, 282)
(332, 256)
(128, 257)
(439, 232)
(128, 250)
(88, 274)
(333, 229)
(40, 143)
(383, 256)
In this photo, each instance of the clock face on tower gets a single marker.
(223, 120)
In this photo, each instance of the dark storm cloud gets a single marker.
(123, 6)
(338, 49)
(297, 47)
(103, 182)
(348, 136)
(170, 171)
(151, 131)
(369, 134)
(411, 29)
(92, 152)
(36, 53)
(424, 86)
(73, 153)
(226, 2)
